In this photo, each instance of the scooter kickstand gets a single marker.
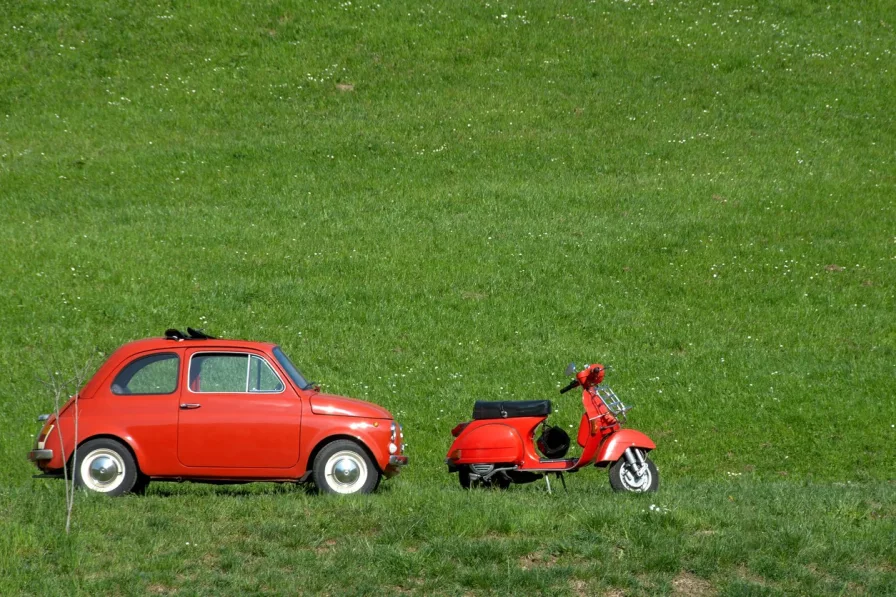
(548, 481)
(563, 480)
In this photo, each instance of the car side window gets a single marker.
(232, 373)
(261, 377)
(153, 374)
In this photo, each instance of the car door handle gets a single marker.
(189, 406)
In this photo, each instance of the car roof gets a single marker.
(149, 344)
(127, 351)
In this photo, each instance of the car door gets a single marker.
(140, 404)
(236, 411)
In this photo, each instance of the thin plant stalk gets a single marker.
(59, 389)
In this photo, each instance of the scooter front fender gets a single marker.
(487, 443)
(615, 444)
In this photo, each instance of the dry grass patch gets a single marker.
(692, 586)
(578, 587)
(537, 559)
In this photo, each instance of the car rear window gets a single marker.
(152, 374)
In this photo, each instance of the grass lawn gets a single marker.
(431, 203)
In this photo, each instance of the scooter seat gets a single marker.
(511, 409)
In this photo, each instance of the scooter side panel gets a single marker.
(584, 430)
(613, 447)
(487, 442)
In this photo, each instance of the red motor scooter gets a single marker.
(498, 447)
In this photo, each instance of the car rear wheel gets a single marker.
(344, 467)
(105, 466)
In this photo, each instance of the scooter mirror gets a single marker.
(570, 369)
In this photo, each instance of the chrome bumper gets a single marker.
(35, 455)
(398, 460)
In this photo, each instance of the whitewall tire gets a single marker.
(344, 467)
(105, 466)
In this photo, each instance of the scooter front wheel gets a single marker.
(634, 478)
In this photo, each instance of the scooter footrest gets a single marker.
(511, 410)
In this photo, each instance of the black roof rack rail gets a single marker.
(198, 335)
(173, 334)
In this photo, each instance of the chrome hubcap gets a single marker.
(103, 469)
(346, 471)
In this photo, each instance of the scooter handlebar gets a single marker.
(571, 385)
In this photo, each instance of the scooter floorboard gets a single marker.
(553, 465)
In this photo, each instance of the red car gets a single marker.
(199, 408)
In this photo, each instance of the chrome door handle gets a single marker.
(189, 406)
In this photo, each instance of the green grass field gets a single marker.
(431, 203)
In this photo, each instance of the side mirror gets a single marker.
(570, 369)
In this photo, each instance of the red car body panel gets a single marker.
(327, 404)
(188, 434)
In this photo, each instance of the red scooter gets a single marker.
(498, 447)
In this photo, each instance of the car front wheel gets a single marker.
(105, 466)
(344, 467)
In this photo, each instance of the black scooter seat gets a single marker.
(511, 409)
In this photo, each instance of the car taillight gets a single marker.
(42, 438)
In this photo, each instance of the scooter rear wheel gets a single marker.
(463, 475)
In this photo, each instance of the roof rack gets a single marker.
(177, 335)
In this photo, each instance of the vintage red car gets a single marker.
(192, 407)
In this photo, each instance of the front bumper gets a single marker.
(36, 455)
(396, 461)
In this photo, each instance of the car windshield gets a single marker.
(294, 374)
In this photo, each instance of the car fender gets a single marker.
(87, 431)
(61, 436)
(155, 452)
(372, 434)
(138, 454)
(613, 447)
